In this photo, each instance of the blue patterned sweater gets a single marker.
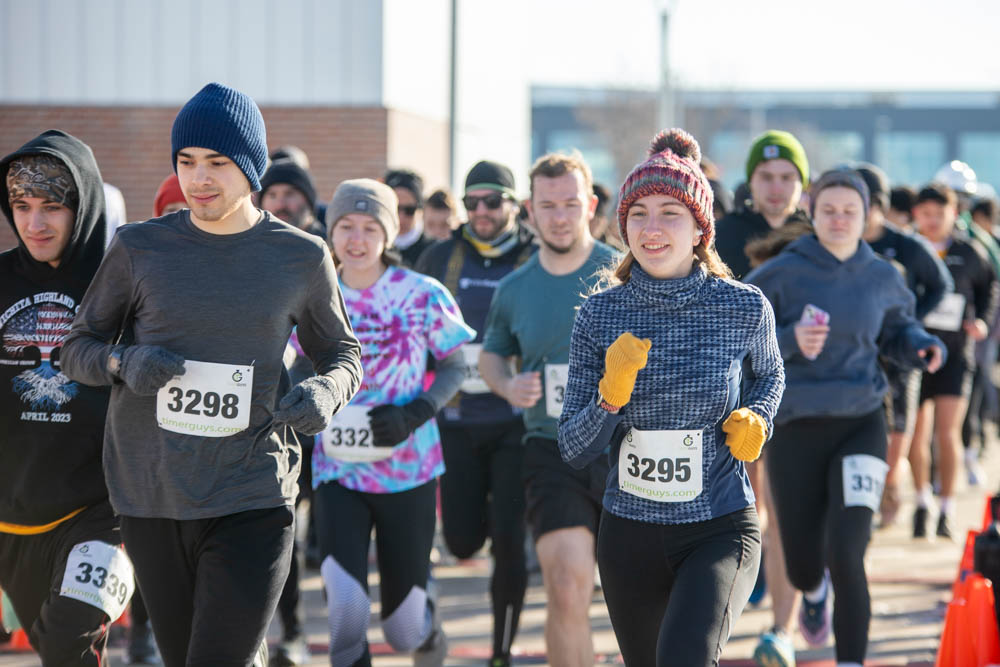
(704, 330)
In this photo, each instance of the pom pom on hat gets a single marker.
(679, 142)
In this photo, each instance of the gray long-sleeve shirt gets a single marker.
(229, 299)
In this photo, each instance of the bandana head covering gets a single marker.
(42, 176)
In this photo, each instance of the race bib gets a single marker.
(473, 382)
(556, 376)
(948, 315)
(210, 400)
(864, 477)
(100, 575)
(349, 437)
(664, 466)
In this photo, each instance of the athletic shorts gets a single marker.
(558, 495)
(952, 379)
(903, 398)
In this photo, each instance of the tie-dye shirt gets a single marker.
(398, 320)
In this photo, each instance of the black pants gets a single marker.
(674, 593)
(289, 608)
(805, 468)
(211, 585)
(482, 496)
(404, 533)
(64, 631)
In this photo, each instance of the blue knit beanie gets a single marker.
(225, 120)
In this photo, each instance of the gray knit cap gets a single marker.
(367, 196)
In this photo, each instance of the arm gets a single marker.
(764, 394)
(930, 273)
(985, 291)
(902, 337)
(522, 390)
(101, 316)
(585, 429)
(326, 336)
(448, 376)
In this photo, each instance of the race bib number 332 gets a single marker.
(210, 400)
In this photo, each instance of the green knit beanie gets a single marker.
(775, 144)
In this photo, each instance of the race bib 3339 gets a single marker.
(100, 575)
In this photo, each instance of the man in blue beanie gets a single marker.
(187, 319)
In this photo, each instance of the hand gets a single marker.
(745, 432)
(936, 355)
(811, 339)
(524, 389)
(622, 362)
(147, 368)
(392, 424)
(309, 406)
(976, 329)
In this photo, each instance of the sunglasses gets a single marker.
(492, 201)
(409, 211)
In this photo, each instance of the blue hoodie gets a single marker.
(871, 313)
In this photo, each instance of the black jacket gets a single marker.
(52, 428)
(926, 275)
(736, 230)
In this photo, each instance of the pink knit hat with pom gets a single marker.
(672, 169)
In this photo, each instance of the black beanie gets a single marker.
(287, 170)
(223, 119)
(491, 176)
(877, 182)
(408, 180)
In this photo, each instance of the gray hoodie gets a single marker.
(871, 313)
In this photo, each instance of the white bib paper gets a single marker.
(864, 477)
(556, 377)
(210, 400)
(664, 466)
(100, 575)
(473, 382)
(948, 315)
(349, 437)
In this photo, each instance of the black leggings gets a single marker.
(404, 533)
(675, 592)
(805, 468)
(482, 496)
(206, 580)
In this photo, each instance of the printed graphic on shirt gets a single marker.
(398, 320)
(32, 332)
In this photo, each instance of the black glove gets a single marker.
(392, 424)
(309, 406)
(147, 368)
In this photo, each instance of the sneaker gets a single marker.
(142, 646)
(815, 617)
(920, 516)
(774, 650)
(499, 661)
(944, 527)
(760, 586)
(433, 651)
(260, 658)
(977, 474)
(291, 652)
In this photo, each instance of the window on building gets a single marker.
(910, 157)
(981, 151)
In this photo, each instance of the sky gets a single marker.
(766, 44)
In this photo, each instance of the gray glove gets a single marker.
(146, 368)
(308, 407)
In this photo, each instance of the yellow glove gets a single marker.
(746, 432)
(622, 362)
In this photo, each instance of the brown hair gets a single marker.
(554, 165)
(441, 200)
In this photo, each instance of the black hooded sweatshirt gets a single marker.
(51, 428)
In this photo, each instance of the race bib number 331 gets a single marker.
(210, 400)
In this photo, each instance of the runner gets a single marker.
(380, 457)
(929, 280)
(531, 318)
(412, 240)
(482, 495)
(837, 307)
(60, 558)
(197, 467)
(960, 320)
(287, 191)
(655, 372)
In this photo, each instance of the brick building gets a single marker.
(360, 86)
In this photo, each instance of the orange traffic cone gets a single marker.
(967, 565)
(19, 642)
(970, 637)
